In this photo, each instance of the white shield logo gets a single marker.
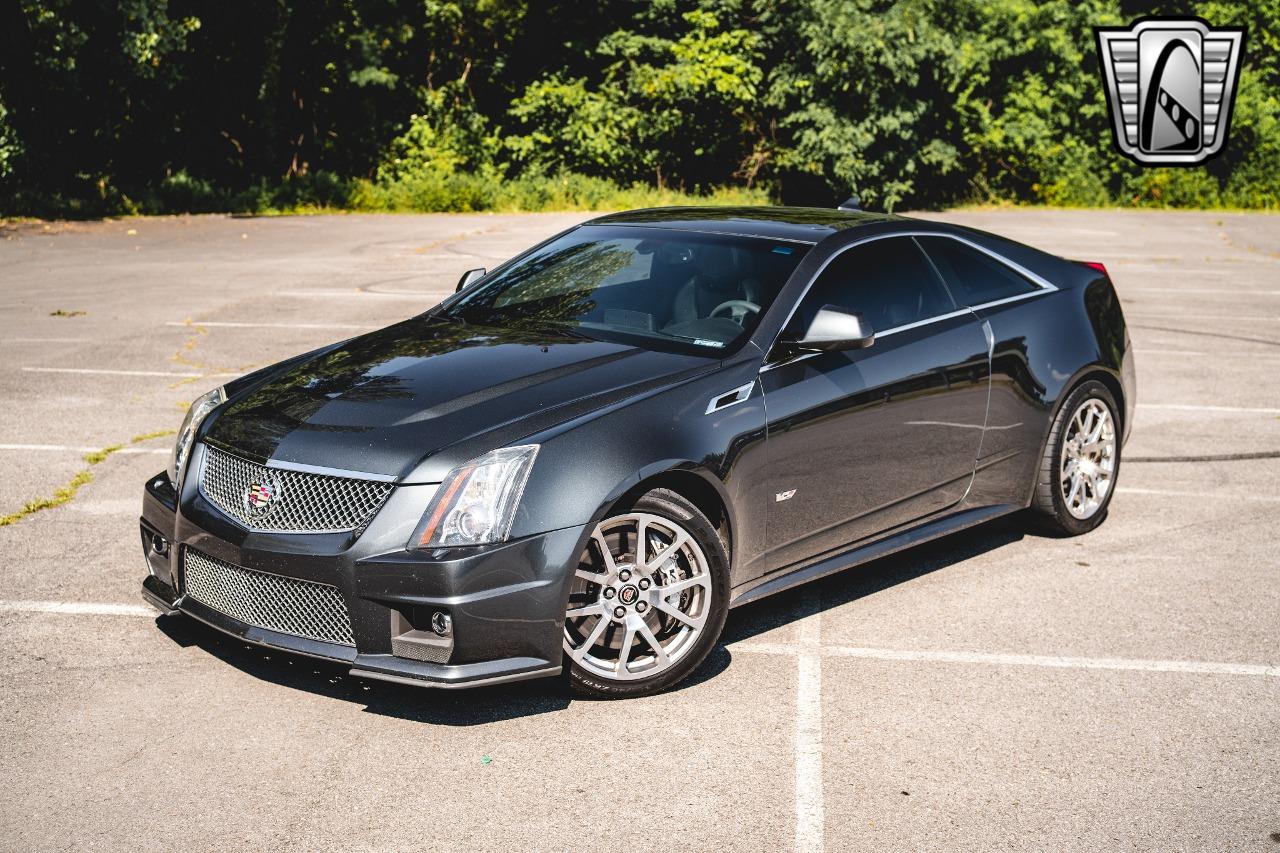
(1170, 85)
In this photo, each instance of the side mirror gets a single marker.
(835, 328)
(470, 276)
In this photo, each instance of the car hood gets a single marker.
(383, 402)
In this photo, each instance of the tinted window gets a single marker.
(646, 286)
(974, 277)
(889, 282)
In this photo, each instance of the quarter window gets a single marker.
(888, 281)
(974, 277)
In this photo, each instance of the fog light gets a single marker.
(441, 623)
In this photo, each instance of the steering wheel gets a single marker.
(737, 309)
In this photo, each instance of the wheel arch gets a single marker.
(1089, 372)
(1096, 372)
(700, 487)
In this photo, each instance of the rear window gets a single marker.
(975, 278)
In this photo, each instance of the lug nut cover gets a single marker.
(641, 607)
(608, 592)
(619, 612)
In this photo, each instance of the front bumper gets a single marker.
(505, 603)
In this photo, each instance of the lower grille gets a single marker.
(316, 611)
(427, 653)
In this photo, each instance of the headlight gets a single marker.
(199, 410)
(477, 502)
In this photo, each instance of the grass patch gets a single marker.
(62, 495)
(463, 193)
(423, 192)
(66, 493)
(147, 436)
(99, 455)
(62, 313)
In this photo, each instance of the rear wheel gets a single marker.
(1081, 461)
(648, 599)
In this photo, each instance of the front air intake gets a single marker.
(293, 606)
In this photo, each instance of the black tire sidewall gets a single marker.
(671, 506)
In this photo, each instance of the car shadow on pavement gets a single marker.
(419, 704)
(851, 584)
(332, 680)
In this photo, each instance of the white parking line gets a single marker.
(1193, 353)
(232, 325)
(1126, 269)
(42, 340)
(1238, 318)
(1230, 291)
(416, 296)
(1051, 661)
(1217, 496)
(1191, 407)
(809, 805)
(1252, 356)
(93, 371)
(75, 608)
(68, 448)
(809, 690)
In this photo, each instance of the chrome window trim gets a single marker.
(1040, 281)
(1042, 284)
(950, 315)
(959, 312)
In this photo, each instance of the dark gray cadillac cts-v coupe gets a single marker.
(585, 457)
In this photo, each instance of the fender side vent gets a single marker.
(730, 398)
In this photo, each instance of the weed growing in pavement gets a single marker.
(67, 492)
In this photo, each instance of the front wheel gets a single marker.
(648, 599)
(1077, 475)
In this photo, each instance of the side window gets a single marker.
(974, 277)
(889, 282)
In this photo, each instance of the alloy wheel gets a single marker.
(1088, 463)
(640, 598)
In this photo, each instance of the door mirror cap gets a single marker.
(834, 328)
(468, 277)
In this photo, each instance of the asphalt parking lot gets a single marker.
(995, 689)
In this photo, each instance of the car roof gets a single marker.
(806, 224)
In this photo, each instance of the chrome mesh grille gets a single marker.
(290, 501)
(288, 605)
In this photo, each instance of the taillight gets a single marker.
(1095, 265)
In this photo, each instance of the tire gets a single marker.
(676, 594)
(1069, 501)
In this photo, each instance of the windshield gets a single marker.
(650, 287)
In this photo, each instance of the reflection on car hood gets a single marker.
(382, 402)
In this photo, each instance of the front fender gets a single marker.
(585, 467)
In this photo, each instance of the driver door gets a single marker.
(862, 441)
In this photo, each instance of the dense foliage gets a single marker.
(156, 105)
